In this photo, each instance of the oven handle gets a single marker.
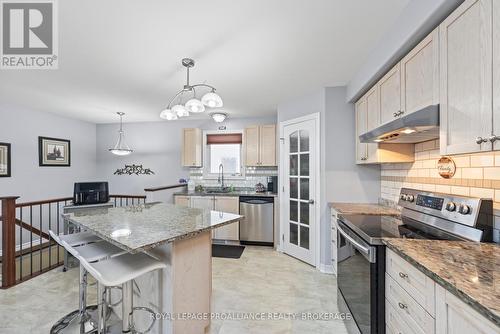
(356, 244)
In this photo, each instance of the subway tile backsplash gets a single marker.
(477, 175)
(253, 175)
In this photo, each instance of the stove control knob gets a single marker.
(403, 197)
(451, 206)
(410, 198)
(464, 209)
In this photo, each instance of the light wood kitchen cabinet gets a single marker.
(420, 75)
(260, 145)
(453, 316)
(361, 126)
(192, 147)
(466, 78)
(203, 202)
(230, 204)
(496, 73)
(182, 200)
(390, 95)
(377, 153)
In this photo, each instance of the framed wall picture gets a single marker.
(54, 152)
(5, 160)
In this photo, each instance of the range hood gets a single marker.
(416, 127)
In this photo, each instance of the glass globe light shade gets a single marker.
(195, 106)
(180, 110)
(168, 114)
(212, 100)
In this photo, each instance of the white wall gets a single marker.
(341, 179)
(417, 20)
(21, 128)
(156, 145)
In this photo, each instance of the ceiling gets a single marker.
(124, 55)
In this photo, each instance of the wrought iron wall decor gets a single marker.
(133, 170)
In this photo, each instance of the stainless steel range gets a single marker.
(361, 254)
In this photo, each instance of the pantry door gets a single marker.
(300, 161)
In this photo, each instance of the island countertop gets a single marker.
(469, 270)
(149, 225)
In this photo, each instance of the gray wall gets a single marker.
(21, 128)
(417, 20)
(341, 179)
(156, 145)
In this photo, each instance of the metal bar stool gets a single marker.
(91, 248)
(122, 271)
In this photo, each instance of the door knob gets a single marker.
(480, 140)
(395, 114)
(311, 201)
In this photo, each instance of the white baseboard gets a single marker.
(327, 269)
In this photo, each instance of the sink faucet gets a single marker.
(221, 176)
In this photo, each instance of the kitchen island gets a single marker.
(178, 236)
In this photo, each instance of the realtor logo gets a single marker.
(29, 34)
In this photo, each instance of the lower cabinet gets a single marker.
(416, 304)
(230, 204)
(453, 316)
(182, 201)
(333, 244)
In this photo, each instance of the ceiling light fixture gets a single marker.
(193, 105)
(121, 148)
(218, 117)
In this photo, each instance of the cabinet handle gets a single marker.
(402, 306)
(480, 140)
(493, 138)
(403, 275)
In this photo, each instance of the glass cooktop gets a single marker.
(372, 228)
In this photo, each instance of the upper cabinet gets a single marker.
(466, 76)
(192, 147)
(420, 75)
(390, 95)
(260, 145)
(376, 153)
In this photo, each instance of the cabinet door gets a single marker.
(455, 317)
(267, 145)
(229, 205)
(361, 122)
(202, 202)
(191, 147)
(496, 73)
(466, 78)
(372, 120)
(182, 201)
(252, 146)
(390, 95)
(420, 75)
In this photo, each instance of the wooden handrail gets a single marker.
(128, 196)
(32, 229)
(166, 187)
(47, 201)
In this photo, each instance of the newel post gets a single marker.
(8, 241)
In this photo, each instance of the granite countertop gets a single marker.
(235, 193)
(364, 209)
(150, 225)
(471, 271)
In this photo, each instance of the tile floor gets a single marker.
(262, 280)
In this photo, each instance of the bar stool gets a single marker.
(121, 271)
(91, 248)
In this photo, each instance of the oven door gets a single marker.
(357, 280)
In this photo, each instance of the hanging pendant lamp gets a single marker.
(121, 147)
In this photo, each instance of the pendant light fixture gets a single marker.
(121, 148)
(193, 104)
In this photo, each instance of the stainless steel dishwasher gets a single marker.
(257, 228)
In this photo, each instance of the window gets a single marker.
(225, 149)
